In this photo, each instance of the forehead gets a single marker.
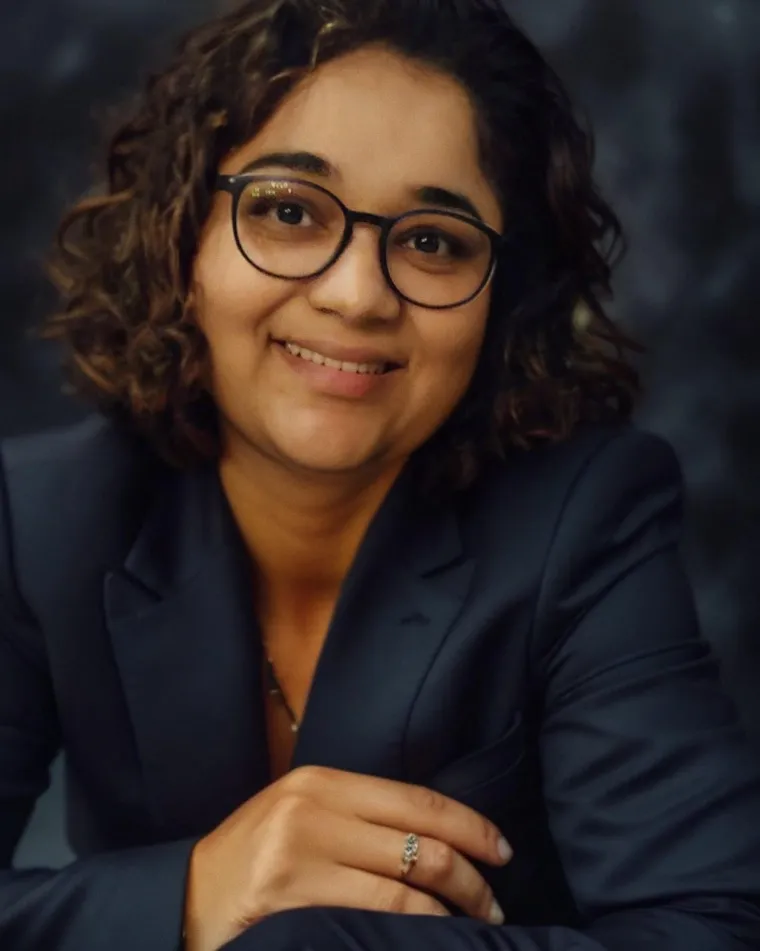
(383, 122)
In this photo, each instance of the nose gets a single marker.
(355, 287)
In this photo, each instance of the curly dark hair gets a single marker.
(123, 259)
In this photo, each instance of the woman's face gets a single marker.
(381, 128)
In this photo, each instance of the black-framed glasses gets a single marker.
(293, 229)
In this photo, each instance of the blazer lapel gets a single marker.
(180, 617)
(398, 603)
(182, 623)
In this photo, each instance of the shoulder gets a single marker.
(70, 469)
(68, 496)
(573, 520)
(77, 444)
(599, 466)
(545, 520)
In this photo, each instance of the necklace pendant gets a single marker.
(294, 728)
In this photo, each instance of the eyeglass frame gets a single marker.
(236, 184)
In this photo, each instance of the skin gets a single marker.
(320, 837)
(317, 465)
(305, 471)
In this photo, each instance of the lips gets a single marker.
(344, 380)
(369, 360)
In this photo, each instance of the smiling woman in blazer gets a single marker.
(356, 606)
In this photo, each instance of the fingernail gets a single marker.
(505, 852)
(496, 917)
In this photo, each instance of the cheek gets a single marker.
(450, 350)
(234, 302)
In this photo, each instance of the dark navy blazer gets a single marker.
(529, 648)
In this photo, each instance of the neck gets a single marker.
(302, 529)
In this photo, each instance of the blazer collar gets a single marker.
(182, 622)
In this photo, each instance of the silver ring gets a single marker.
(410, 855)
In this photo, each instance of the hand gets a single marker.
(321, 837)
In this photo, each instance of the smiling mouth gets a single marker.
(361, 369)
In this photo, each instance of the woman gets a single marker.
(353, 444)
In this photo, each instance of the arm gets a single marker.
(652, 792)
(114, 902)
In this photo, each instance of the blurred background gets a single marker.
(673, 90)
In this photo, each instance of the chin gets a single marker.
(331, 443)
(325, 460)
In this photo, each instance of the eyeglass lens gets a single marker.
(293, 230)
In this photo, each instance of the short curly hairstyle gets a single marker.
(123, 259)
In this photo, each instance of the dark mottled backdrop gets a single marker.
(672, 87)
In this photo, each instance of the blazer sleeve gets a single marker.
(651, 789)
(112, 902)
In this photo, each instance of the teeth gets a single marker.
(363, 368)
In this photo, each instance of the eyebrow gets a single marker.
(310, 164)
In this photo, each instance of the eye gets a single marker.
(285, 212)
(434, 243)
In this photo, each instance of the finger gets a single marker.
(439, 869)
(348, 887)
(407, 808)
(442, 870)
